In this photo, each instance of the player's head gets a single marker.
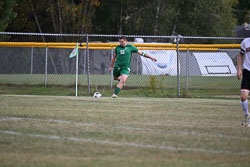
(123, 41)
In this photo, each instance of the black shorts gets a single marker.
(245, 83)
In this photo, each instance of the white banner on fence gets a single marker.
(215, 64)
(166, 63)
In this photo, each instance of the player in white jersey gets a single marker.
(244, 71)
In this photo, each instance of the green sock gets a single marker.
(117, 90)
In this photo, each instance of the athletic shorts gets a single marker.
(118, 71)
(245, 83)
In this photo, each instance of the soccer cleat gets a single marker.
(246, 120)
(114, 96)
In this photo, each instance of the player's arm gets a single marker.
(146, 55)
(240, 61)
(112, 62)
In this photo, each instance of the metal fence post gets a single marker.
(87, 51)
(187, 72)
(77, 70)
(111, 72)
(31, 61)
(84, 61)
(137, 65)
(178, 68)
(46, 67)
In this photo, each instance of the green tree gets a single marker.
(54, 16)
(6, 13)
(148, 17)
(137, 17)
(205, 18)
(242, 11)
(24, 20)
(68, 16)
(166, 17)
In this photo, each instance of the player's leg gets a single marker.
(120, 85)
(244, 96)
(244, 104)
(117, 76)
(244, 101)
(123, 78)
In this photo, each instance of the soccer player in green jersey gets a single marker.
(122, 61)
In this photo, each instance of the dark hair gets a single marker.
(123, 37)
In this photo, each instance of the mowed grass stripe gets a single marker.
(89, 140)
(122, 127)
(128, 134)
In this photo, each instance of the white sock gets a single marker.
(244, 105)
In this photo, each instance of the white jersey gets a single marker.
(245, 50)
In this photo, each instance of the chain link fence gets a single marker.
(186, 66)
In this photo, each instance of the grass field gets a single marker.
(210, 82)
(144, 86)
(137, 132)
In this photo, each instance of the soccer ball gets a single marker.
(97, 95)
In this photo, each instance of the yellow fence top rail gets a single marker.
(113, 45)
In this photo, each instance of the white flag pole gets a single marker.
(77, 69)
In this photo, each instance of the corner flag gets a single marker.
(74, 52)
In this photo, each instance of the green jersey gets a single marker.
(123, 55)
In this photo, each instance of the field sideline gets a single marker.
(69, 131)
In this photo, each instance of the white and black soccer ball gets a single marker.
(97, 95)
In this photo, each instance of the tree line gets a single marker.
(132, 17)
